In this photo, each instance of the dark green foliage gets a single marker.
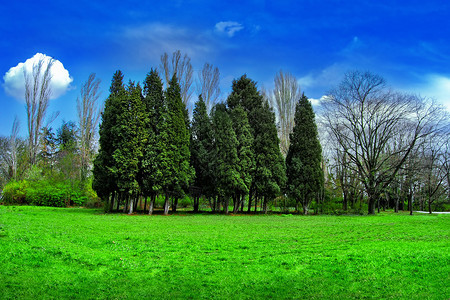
(178, 133)
(269, 171)
(67, 137)
(269, 163)
(154, 120)
(227, 169)
(244, 148)
(202, 148)
(104, 169)
(304, 172)
(129, 138)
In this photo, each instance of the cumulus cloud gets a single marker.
(14, 80)
(229, 28)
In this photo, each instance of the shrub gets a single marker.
(15, 192)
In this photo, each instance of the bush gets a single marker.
(15, 192)
(49, 192)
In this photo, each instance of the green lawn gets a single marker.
(79, 253)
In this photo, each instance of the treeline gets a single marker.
(378, 149)
(230, 156)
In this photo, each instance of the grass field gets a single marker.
(78, 253)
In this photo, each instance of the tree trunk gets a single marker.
(242, 203)
(256, 202)
(131, 206)
(225, 205)
(151, 204)
(250, 201)
(119, 198)
(305, 207)
(429, 205)
(371, 206)
(175, 204)
(145, 204)
(166, 204)
(111, 207)
(265, 205)
(125, 204)
(196, 203)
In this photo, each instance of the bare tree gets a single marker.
(285, 95)
(363, 116)
(208, 81)
(9, 153)
(37, 96)
(88, 119)
(182, 68)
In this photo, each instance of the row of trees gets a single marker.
(381, 147)
(148, 147)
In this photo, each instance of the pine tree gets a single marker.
(202, 143)
(227, 161)
(304, 172)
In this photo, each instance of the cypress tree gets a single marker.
(202, 144)
(180, 137)
(227, 162)
(105, 179)
(155, 109)
(244, 152)
(128, 149)
(304, 172)
(268, 174)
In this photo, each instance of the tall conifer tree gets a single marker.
(105, 182)
(304, 171)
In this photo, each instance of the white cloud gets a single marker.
(317, 102)
(229, 27)
(14, 80)
(153, 39)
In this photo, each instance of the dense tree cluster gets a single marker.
(382, 149)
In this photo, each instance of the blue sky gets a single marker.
(407, 42)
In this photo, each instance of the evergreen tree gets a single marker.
(227, 161)
(304, 171)
(155, 112)
(178, 134)
(269, 172)
(202, 149)
(105, 182)
(128, 149)
(244, 152)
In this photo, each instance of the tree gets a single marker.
(228, 170)
(88, 118)
(37, 96)
(245, 154)
(285, 95)
(181, 67)
(105, 170)
(202, 147)
(10, 154)
(209, 80)
(269, 171)
(178, 134)
(363, 116)
(303, 162)
(154, 144)
(128, 147)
